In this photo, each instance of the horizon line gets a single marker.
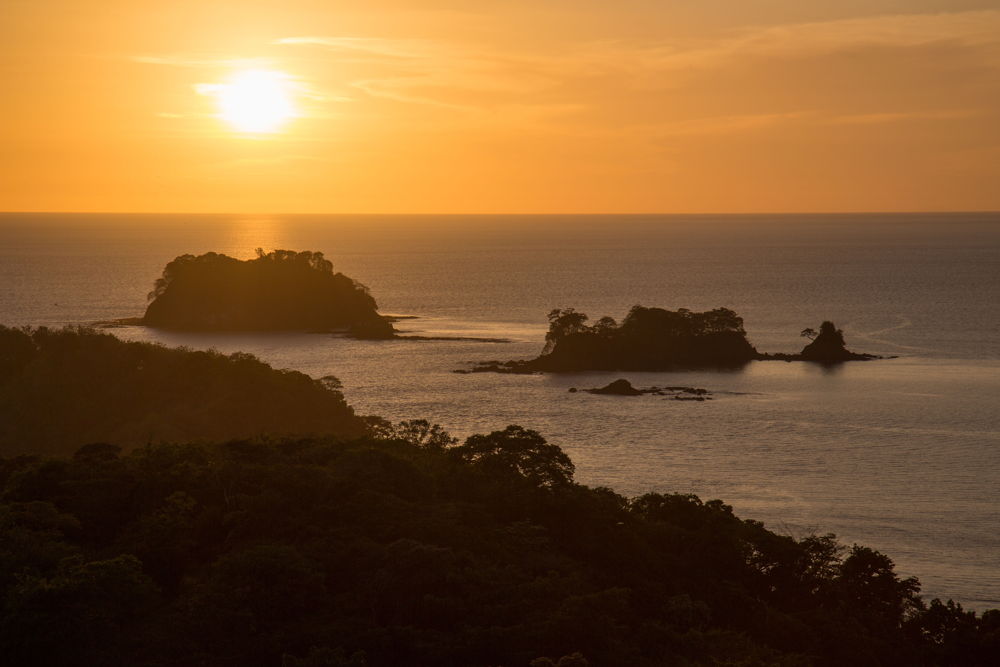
(517, 214)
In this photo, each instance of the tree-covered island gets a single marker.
(278, 290)
(657, 339)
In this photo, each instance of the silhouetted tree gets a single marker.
(562, 323)
(418, 432)
(520, 451)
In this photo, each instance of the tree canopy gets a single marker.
(647, 339)
(279, 290)
(406, 549)
(62, 388)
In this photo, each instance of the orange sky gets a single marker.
(549, 106)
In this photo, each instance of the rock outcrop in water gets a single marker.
(623, 387)
(281, 290)
(656, 339)
(617, 388)
(828, 347)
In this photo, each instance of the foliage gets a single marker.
(520, 451)
(410, 549)
(647, 339)
(65, 388)
(562, 323)
(827, 345)
(419, 432)
(279, 290)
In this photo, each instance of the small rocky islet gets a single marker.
(623, 387)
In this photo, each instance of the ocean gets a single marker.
(902, 455)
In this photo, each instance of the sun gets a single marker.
(256, 100)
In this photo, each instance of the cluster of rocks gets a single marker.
(623, 387)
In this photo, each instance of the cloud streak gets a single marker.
(610, 87)
(369, 46)
(200, 61)
(968, 29)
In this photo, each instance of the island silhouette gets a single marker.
(281, 290)
(657, 339)
(275, 291)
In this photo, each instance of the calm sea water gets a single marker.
(902, 455)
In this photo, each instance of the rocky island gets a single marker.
(828, 346)
(656, 339)
(282, 290)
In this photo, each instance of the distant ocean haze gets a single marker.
(902, 455)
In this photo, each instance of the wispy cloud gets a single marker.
(396, 89)
(745, 123)
(729, 124)
(271, 161)
(431, 73)
(614, 86)
(200, 61)
(372, 46)
(901, 116)
(974, 28)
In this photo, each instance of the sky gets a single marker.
(501, 106)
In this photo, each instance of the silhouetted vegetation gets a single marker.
(648, 339)
(411, 549)
(828, 346)
(655, 339)
(60, 389)
(279, 290)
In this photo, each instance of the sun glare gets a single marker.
(256, 101)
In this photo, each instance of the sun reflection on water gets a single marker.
(248, 234)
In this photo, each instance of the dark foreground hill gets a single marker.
(411, 550)
(60, 389)
(279, 290)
